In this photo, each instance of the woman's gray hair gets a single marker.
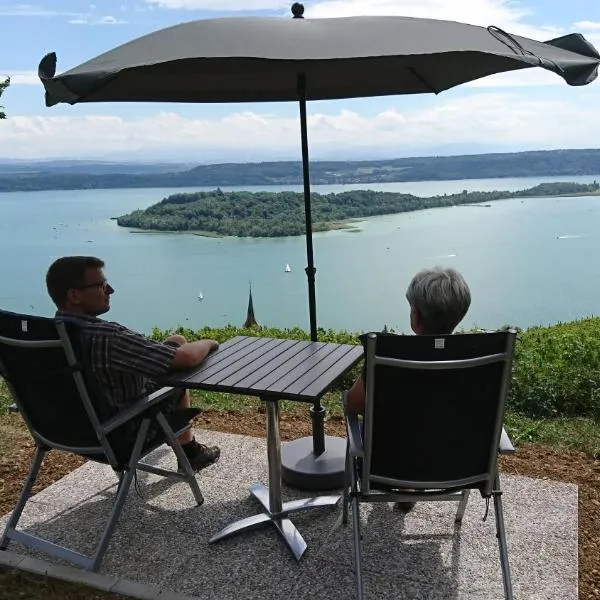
(442, 298)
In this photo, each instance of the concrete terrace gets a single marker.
(162, 538)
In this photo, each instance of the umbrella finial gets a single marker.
(298, 10)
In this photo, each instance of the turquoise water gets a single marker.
(527, 262)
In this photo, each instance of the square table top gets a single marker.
(271, 368)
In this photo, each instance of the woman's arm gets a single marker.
(356, 397)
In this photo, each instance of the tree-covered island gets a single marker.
(277, 214)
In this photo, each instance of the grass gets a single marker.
(574, 433)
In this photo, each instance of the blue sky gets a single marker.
(530, 109)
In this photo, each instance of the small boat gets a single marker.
(200, 296)
(287, 268)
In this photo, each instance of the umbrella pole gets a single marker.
(310, 269)
(305, 463)
(317, 412)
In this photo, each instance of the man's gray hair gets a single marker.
(442, 298)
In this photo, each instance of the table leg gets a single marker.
(274, 510)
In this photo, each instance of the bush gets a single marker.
(556, 371)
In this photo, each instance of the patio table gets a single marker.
(272, 369)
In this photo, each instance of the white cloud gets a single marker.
(521, 78)
(506, 14)
(221, 5)
(30, 10)
(96, 20)
(592, 25)
(492, 118)
(21, 77)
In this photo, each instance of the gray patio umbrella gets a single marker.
(248, 59)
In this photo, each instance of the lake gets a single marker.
(527, 262)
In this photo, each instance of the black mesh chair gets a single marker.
(44, 363)
(432, 426)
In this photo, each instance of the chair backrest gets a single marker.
(41, 360)
(434, 409)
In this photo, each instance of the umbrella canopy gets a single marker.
(247, 59)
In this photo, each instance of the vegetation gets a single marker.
(3, 85)
(268, 214)
(433, 168)
(554, 395)
(556, 371)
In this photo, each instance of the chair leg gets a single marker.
(36, 463)
(357, 546)
(122, 489)
(346, 496)
(501, 535)
(462, 505)
(183, 460)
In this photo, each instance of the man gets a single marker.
(124, 363)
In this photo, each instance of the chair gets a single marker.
(44, 362)
(432, 426)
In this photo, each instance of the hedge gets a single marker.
(556, 370)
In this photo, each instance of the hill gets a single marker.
(475, 166)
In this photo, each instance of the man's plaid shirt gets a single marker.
(125, 363)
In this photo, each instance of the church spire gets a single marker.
(250, 319)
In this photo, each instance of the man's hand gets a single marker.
(191, 354)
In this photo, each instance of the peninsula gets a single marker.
(278, 214)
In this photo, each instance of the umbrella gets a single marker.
(252, 59)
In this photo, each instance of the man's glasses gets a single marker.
(103, 285)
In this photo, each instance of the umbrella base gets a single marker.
(304, 470)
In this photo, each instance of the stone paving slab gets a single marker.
(162, 537)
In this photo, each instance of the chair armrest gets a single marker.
(135, 409)
(505, 446)
(355, 441)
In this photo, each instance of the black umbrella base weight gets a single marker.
(303, 469)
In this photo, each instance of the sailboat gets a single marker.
(200, 296)
(287, 268)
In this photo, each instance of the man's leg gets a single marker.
(199, 455)
(184, 402)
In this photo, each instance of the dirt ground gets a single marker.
(530, 460)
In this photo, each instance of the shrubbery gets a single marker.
(556, 370)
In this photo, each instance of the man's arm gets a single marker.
(190, 354)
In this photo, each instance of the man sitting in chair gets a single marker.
(125, 363)
(439, 299)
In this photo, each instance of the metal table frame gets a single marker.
(273, 370)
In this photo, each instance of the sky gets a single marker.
(526, 110)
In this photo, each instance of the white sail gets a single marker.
(287, 268)
(200, 295)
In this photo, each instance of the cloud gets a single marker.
(507, 14)
(521, 78)
(96, 20)
(31, 10)
(20, 77)
(74, 18)
(592, 25)
(494, 118)
(221, 5)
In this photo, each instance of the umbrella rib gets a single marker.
(422, 80)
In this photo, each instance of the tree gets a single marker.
(3, 85)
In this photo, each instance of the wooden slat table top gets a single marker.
(271, 368)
